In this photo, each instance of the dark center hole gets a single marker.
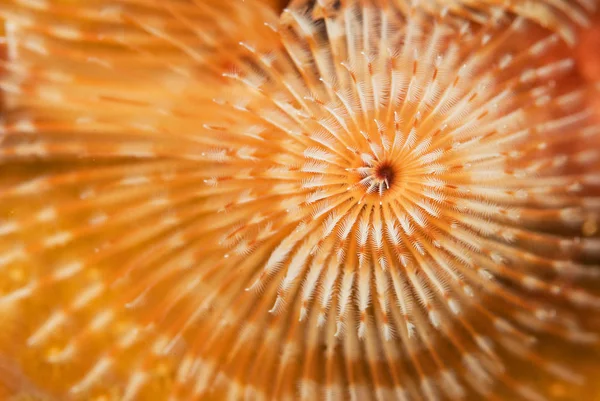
(385, 172)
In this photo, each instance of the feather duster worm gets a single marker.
(92, 42)
(379, 207)
(562, 16)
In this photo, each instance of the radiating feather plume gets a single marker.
(373, 206)
(561, 16)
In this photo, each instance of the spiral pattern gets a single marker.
(561, 16)
(378, 205)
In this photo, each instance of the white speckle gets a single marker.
(160, 346)
(66, 32)
(136, 381)
(88, 295)
(429, 389)
(87, 193)
(101, 62)
(571, 215)
(142, 126)
(451, 385)
(529, 394)
(84, 120)
(135, 180)
(12, 255)
(58, 239)
(529, 282)
(18, 295)
(101, 320)
(36, 148)
(527, 75)
(36, 45)
(473, 365)
(99, 369)
(485, 274)
(35, 4)
(47, 214)
(68, 271)
(170, 221)
(9, 228)
(111, 11)
(25, 125)
(53, 322)
(484, 343)
(129, 338)
(59, 76)
(50, 94)
(159, 201)
(136, 150)
(454, 306)
(10, 87)
(98, 218)
(64, 355)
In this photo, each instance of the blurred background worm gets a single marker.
(561, 16)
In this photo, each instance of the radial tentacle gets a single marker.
(561, 16)
(75, 54)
